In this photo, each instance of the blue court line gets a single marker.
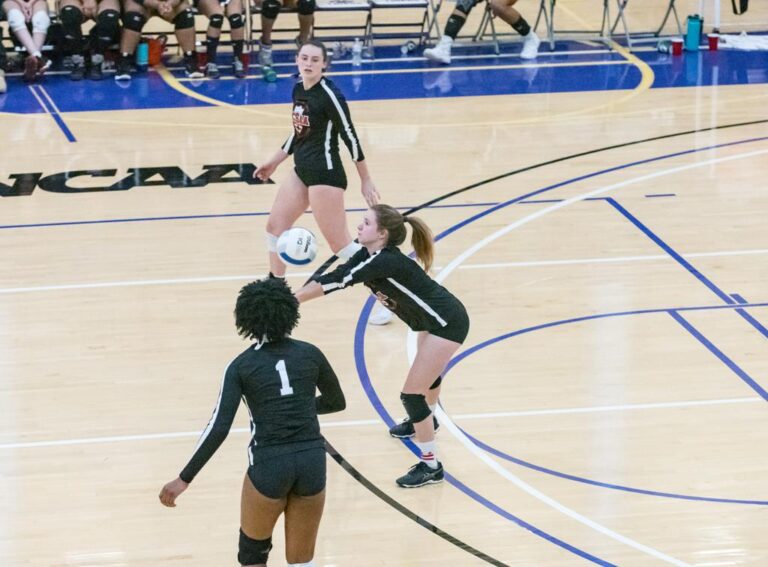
(52, 111)
(751, 320)
(719, 354)
(472, 350)
(365, 380)
(210, 216)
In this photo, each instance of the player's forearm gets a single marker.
(312, 290)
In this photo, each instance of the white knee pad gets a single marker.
(348, 251)
(271, 242)
(16, 19)
(41, 21)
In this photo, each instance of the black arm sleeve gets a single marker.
(331, 398)
(219, 425)
(359, 269)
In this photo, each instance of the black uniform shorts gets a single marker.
(301, 473)
(334, 177)
(457, 328)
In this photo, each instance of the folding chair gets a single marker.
(423, 29)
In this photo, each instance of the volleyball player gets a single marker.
(215, 10)
(22, 14)
(106, 14)
(270, 9)
(277, 378)
(424, 305)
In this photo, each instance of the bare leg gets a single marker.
(504, 10)
(258, 514)
(302, 521)
(290, 202)
(306, 23)
(328, 207)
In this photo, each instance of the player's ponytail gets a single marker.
(393, 222)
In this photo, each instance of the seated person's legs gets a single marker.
(237, 31)
(441, 53)
(214, 11)
(72, 17)
(105, 33)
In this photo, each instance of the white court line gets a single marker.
(445, 421)
(251, 277)
(366, 422)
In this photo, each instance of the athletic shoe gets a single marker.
(265, 56)
(405, 430)
(30, 69)
(123, 69)
(212, 70)
(238, 69)
(78, 68)
(191, 69)
(531, 44)
(95, 70)
(441, 53)
(421, 474)
(380, 316)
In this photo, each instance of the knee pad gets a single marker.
(71, 17)
(216, 21)
(415, 406)
(271, 241)
(436, 383)
(108, 27)
(16, 19)
(184, 20)
(305, 7)
(465, 6)
(41, 21)
(236, 21)
(270, 9)
(134, 21)
(253, 551)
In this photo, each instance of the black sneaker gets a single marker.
(405, 430)
(123, 69)
(95, 69)
(78, 68)
(191, 67)
(421, 474)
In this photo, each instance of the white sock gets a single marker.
(428, 453)
(308, 564)
(446, 39)
(348, 251)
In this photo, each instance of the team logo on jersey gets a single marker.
(301, 119)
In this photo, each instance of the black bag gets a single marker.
(740, 7)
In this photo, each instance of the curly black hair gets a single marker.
(266, 309)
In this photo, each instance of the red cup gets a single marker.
(713, 40)
(245, 59)
(677, 46)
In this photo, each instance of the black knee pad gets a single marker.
(108, 26)
(71, 17)
(305, 7)
(236, 21)
(270, 9)
(253, 551)
(415, 406)
(216, 21)
(184, 20)
(436, 383)
(134, 21)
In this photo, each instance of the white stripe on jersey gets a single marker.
(253, 431)
(287, 145)
(336, 285)
(208, 427)
(344, 121)
(328, 131)
(420, 302)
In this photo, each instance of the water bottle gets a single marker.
(142, 56)
(407, 47)
(357, 53)
(694, 27)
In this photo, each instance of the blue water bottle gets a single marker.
(693, 31)
(142, 57)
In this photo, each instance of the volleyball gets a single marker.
(297, 246)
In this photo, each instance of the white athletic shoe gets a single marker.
(531, 44)
(380, 316)
(441, 53)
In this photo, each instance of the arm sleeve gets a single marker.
(359, 269)
(219, 425)
(342, 122)
(331, 398)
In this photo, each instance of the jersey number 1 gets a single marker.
(286, 389)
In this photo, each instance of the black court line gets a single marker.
(339, 458)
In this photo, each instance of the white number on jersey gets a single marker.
(286, 389)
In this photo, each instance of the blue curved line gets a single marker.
(373, 397)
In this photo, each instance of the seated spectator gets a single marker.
(23, 14)
(106, 14)
(269, 12)
(135, 15)
(215, 10)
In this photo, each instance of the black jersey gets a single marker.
(400, 283)
(320, 116)
(277, 381)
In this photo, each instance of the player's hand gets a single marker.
(171, 491)
(265, 171)
(370, 194)
(164, 8)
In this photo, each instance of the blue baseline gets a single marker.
(751, 320)
(54, 114)
(373, 397)
(470, 351)
(210, 216)
(720, 354)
